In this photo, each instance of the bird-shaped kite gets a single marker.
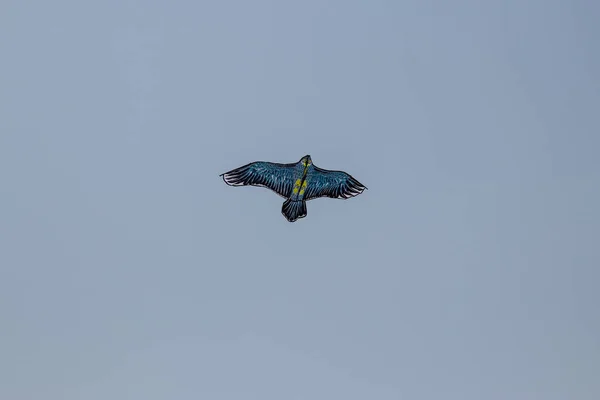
(296, 182)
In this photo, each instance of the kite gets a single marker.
(296, 182)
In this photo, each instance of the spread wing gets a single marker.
(334, 184)
(277, 177)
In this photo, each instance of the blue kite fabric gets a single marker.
(296, 182)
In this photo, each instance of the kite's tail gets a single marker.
(293, 210)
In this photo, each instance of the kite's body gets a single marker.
(296, 182)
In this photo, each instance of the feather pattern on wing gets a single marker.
(334, 184)
(277, 177)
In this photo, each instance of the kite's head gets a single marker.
(306, 161)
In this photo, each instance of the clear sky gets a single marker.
(467, 271)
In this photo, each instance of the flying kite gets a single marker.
(296, 182)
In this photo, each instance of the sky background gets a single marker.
(467, 271)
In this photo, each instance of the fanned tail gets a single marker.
(293, 210)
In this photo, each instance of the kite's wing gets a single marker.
(334, 184)
(277, 177)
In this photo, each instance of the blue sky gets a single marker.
(468, 270)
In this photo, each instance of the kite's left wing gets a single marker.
(277, 177)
